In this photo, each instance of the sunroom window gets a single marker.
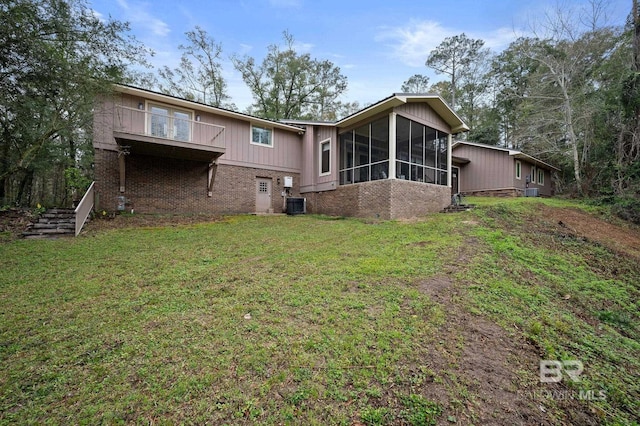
(421, 153)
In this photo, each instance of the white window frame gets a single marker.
(170, 118)
(322, 144)
(270, 129)
(518, 170)
(533, 174)
(540, 178)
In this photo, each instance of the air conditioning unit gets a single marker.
(531, 192)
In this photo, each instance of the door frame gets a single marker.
(457, 179)
(269, 181)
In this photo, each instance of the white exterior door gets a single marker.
(263, 195)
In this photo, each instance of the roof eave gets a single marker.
(160, 97)
(434, 101)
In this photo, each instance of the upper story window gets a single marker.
(261, 136)
(169, 123)
(518, 169)
(325, 157)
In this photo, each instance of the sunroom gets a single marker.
(393, 159)
(418, 152)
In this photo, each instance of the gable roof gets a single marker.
(397, 99)
(512, 152)
(174, 100)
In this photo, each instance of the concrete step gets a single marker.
(54, 225)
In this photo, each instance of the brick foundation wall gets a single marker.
(384, 199)
(166, 185)
(511, 192)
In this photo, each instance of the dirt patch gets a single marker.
(14, 221)
(477, 362)
(584, 225)
(484, 375)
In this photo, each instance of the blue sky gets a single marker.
(377, 44)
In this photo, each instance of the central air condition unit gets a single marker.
(531, 192)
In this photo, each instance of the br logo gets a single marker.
(553, 371)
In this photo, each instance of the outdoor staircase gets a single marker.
(53, 223)
(455, 208)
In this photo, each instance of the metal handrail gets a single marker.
(84, 208)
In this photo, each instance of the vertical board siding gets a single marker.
(425, 114)
(488, 169)
(323, 134)
(286, 152)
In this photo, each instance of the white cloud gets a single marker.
(412, 43)
(138, 15)
(302, 47)
(285, 3)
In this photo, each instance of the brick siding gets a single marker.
(166, 185)
(384, 199)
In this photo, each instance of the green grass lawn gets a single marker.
(301, 320)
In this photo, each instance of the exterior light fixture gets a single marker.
(140, 105)
(197, 117)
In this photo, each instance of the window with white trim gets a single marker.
(261, 136)
(518, 170)
(325, 157)
(169, 122)
(540, 176)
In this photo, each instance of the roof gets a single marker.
(397, 99)
(512, 152)
(174, 100)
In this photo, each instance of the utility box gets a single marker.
(288, 182)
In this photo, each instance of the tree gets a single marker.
(474, 82)
(564, 88)
(56, 57)
(512, 72)
(452, 56)
(291, 85)
(417, 83)
(199, 76)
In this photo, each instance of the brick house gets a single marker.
(156, 153)
(479, 169)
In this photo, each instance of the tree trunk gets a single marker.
(573, 142)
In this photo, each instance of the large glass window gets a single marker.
(421, 152)
(169, 123)
(364, 153)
